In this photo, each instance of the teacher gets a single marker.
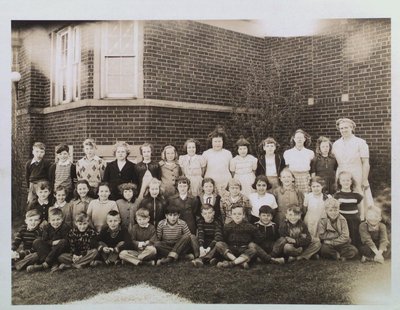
(352, 155)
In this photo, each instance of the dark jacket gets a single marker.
(216, 206)
(188, 210)
(114, 177)
(298, 232)
(156, 207)
(37, 172)
(279, 164)
(141, 169)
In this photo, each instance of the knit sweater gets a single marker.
(240, 235)
(51, 234)
(97, 212)
(172, 233)
(119, 240)
(26, 238)
(374, 237)
(209, 234)
(81, 242)
(141, 234)
(37, 171)
(348, 202)
(298, 231)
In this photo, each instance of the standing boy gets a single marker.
(36, 169)
(334, 233)
(43, 202)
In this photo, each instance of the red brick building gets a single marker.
(165, 81)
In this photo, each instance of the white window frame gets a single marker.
(67, 65)
(135, 54)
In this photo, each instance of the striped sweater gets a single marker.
(209, 233)
(348, 202)
(172, 233)
(26, 238)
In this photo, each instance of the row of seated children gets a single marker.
(238, 242)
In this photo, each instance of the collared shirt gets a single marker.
(298, 160)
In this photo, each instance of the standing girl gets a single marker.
(210, 196)
(233, 196)
(324, 164)
(154, 202)
(121, 170)
(170, 170)
(314, 205)
(261, 197)
(286, 195)
(128, 204)
(99, 208)
(218, 160)
(147, 169)
(243, 166)
(193, 165)
(298, 159)
(271, 163)
(349, 201)
(80, 203)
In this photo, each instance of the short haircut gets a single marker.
(172, 209)
(39, 145)
(332, 203)
(353, 181)
(89, 142)
(56, 212)
(262, 178)
(128, 186)
(295, 209)
(267, 210)
(142, 212)
(206, 206)
(31, 213)
(103, 184)
(61, 148)
(81, 217)
(41, 185)
(121, 144)
(375, 210)
(307, 138)
(182, 179)
(60, 188)
(233, 182)
(236, 206)
(113, 213)
(191, 140)
(146, 144)
(169, 146)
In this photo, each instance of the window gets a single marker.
(119, 60)
(66, 84)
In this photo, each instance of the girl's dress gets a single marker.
(227, 201)
(315, 210)
(299, 163)
(97, 212)
(125, 209)
(325, 167)
(244, 168)
(218, 167)
(256, 202)
(286, 197)
(169, 173)
(192, 168)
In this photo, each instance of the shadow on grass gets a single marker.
(306, 282)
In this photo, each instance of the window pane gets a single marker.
(120, 77)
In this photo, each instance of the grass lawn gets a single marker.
(305, 282)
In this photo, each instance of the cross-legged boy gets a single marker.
(295, 242)
(334, 233)
(36, 169)
(209, 233)
(113, 239)
(25, 237)
(174, 237)
(143, 238)
(53, 242)
(240, 239)
(374, 239)
(82, 240)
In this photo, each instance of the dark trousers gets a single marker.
(29, 259)
(49, 253)
(174, 250)
(248, 251)
(366, 251)
(346, 250)
(353, 222)
(111, 257)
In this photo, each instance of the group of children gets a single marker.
(271, 210)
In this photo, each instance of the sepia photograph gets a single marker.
(243, 159)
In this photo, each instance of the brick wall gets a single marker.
(193, 62)
(88, 33)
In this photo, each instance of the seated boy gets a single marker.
(295, 242)
(240, 240)
(82, 240)
(334, 233)
(25, 237)
(43, 201)
(143, 238)
(174, 237)
(113, 239)
(269, 231)
(374, 239)
(209, 233)
(36, 169)
(53, 242)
